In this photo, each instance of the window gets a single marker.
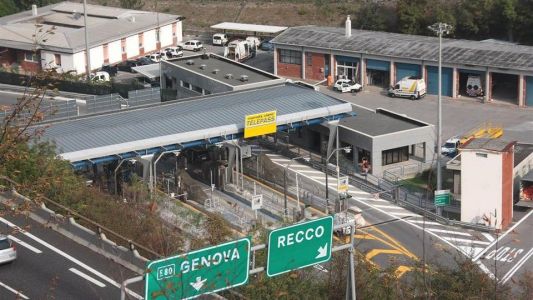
(393, 156)
(309, 58)
(57, 59)
(30, 56)
(290, 57)
(197, 89)
(484, 155)
(185, 84)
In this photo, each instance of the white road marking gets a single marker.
(465, 241)
(24, 244)
(450, 232)
(426, 222)
(388, 206)
(402, 214)
(86, 277)
(518, 265)
(503, 235)
(488, 236)
(470, 251)
(67, 256)
(19, 294)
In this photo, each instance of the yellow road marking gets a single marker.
(396, 243)
(402, 270)
(375, 252)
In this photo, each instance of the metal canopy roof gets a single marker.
(170, 125)
(249, 27)
(150, 71)
(395, 45)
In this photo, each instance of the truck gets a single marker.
(351, 214)
(240, 50)
(411, 87)
(451, 146)
(473, 86)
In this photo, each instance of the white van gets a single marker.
(409, 87)
(220, 39)
(473, 86)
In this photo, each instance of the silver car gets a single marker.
(8, 252)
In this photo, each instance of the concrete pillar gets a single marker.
(362, 73)
(303, 64)
(392, 74)
(231, 162)
(521, 91)
(424, 72)
(455, 83)
(332, 66)
(488, 91)
(276, 61)
(355, 157)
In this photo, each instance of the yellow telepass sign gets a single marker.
(260, 124)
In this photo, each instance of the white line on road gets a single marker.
(24, 244)
(402, 214)
(503, 235)
(422, 222)
(388, 206)
(21, 295)
(488, 236)
(518, 265)
(67, 256)
(450, 232)
(86, 277)
(465, 241)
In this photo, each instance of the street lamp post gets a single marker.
(345, 149)
(285, 210)
(440, 29)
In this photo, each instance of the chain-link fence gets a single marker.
(144, 96)
(103, 103)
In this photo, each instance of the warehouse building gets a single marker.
(53, 36)
(488, 70)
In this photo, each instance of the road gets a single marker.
(52, 266)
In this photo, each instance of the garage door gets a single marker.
(380, 65)
(433, 81)
(406, 70)
(529, 91)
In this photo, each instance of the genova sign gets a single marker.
(300, 245)
(199, 272)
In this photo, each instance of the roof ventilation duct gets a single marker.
(348, 29)
(228, 76)
(215, 71)
(244, 78)
(203, 66)
(190, 62)
(34, 10)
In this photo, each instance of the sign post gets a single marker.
(300, 245)
(260, 124)
(442, 197)
(199, 272)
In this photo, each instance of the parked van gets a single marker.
(473, 86)
(220, 39)
(100, 76)
(239, 50)
(409, 87)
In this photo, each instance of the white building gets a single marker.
(115, 35)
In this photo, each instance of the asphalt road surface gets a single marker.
(52, 266)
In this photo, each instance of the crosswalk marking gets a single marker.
(465, 241)
(470, 251)
(488, 236)
(450, 232)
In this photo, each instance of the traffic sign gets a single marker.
(198, 272)
(260, 124)
(343, 184)
(300, 245)
(257, 201)
(442, 197)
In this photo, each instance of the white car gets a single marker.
(220, 39)
(253, 41)
(193, 45)
(8, 252)
(100, 76)
(174, 51)
(347, 85)
(450, 148)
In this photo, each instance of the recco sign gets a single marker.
(299, 246)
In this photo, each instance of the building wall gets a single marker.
(8, 56)
(195, 79)
(166, 36)
(114, 52)
(179, 32)
(507, 188)
(149, 41)
(132, 46)
(97, 57)
(288, 70)
(78, 62)
(29, 66)
(315, 71)
(481, 195)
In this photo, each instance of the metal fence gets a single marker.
(103, 103)
(47, 110)
(144, 96)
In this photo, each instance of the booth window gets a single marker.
(395, 155)
(290, 57)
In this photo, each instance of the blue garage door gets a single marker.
(406, 70)
(433, 81)
(380, 65)
(529, 91)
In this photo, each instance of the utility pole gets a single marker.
(440, 29)
(87, 52)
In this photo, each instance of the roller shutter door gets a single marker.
(380, 65)
(406, 70)
(433, 81)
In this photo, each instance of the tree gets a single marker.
(473, 18)
(504, 18)
(7, 7)
(371, 16)
(411, 16)
(131, 4)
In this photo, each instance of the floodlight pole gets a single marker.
(439, 29)
(87, 52)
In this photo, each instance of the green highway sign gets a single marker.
(442, 197)
(198, 272)
(300, 245)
